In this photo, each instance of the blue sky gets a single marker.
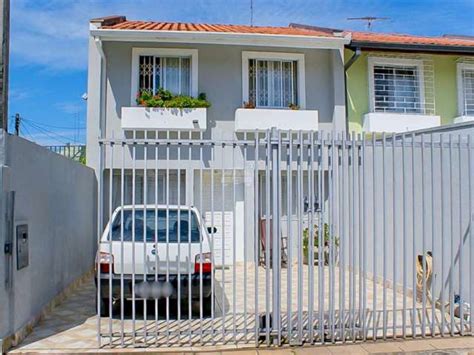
(48, 65)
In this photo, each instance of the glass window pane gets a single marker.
(187, 225)
(171, 75)
(145, 73)
(185, 76)
(468, 91)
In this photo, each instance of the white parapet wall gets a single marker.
(398, 122)
(158, 118)
(283, 119)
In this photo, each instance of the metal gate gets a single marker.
(284, 237)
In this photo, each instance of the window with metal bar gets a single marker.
(397, 89)
(170, 73)
(468, 91)
(272, 83)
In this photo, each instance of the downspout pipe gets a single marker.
(102, 83)
(351, 61)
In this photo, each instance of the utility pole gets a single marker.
(17, 124)
(4, 55)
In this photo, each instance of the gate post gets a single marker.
(276, 240)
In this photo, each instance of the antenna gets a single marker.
(369, 20)
(251, 13)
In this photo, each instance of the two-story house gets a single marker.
(254, 78)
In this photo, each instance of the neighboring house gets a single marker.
(271, 67)
(398, 83)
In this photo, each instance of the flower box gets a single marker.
(167, 119)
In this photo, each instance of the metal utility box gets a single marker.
(22, 240)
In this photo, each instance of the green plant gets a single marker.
(164, 98)
(326, 238)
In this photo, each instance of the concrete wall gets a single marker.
(56, 197)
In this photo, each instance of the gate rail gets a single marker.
(314, 237)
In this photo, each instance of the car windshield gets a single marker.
(166, 226)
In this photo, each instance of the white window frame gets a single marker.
(163, 52)
(460, 68)
(418, 63)
(298, 57)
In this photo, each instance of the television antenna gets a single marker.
(369, 19)
(251, 13)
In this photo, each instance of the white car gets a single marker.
(162, 266)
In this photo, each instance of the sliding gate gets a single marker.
(284, 238)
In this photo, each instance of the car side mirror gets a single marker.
(211, 230)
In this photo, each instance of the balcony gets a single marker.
(166, 119)
(398, 122)
(284, 119)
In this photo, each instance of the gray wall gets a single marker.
(56, 197)
(220, 77)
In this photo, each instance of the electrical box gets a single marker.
(22, 254)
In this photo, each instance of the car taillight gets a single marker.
(204, 264)
(105, 261)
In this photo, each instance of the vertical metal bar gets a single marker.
(461, 235)
(201, 209)
(342, 273)
(167, 191)
(300, 237)
(111, 176)
(234, 247)
(289, 213)
(404, 237)
(311, 238)
(320, 228)
(322, 246)
(364, 237)
(332, 232)
(354, 235)
(100, 198)
(471, 232)
(244, 172)
(451, 272)
(276, 263)
(384, 233)
(134, 183)
(156, 236)
(190, 192)
(213, 273)
(257, 237)
(144, 261)
(443, 235)
(433, 237)
(423, 234)
(413, 174)
(223, 239)
(178, 235)
(267, 239)
(395, 244)
(375, 227)
(360, 240)
(122, 180)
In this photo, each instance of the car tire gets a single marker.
(104, 307)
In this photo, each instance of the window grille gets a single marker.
(170, 73)
(273, 83)
(397, 89)
(468, 91)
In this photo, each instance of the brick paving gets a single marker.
(72, 326)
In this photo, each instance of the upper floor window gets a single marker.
(273, 80)
(466, 89)
(168, 68)
(396, 85)
(169, 73)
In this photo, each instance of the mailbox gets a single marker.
(22, 257)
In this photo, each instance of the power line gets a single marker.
(52, 126)
(51, 135)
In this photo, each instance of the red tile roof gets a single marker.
(201, 27)
(394, 38)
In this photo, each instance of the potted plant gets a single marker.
(164, 98)
(326, 245)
